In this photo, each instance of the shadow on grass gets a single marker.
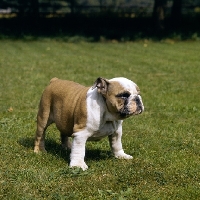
(55, 149)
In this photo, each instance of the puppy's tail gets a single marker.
(53, 79)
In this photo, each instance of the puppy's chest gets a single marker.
(105, 129)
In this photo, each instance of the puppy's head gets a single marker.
(122, 96)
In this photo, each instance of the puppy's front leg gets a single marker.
(78, 150)
(116, 145)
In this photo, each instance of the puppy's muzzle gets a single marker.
(140, 107)
(127, 111)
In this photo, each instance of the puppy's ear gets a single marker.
(101, 84)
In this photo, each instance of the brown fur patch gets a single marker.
(65, 101)
(53, 79)
(114, 104)
(115, 87)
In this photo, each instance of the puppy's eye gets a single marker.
(124, 95)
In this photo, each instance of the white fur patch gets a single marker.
(78, 149)
(126, 84)
(95, 110)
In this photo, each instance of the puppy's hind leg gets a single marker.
(65, 140)
(43, 121)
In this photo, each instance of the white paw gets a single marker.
(121, 155)
(81, 164)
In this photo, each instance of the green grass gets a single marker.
(164, 140)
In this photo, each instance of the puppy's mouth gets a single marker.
(126, 113)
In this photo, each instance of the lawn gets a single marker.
(164, 141)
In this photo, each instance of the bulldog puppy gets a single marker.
(85, 113)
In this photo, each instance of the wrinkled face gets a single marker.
(122, 97)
